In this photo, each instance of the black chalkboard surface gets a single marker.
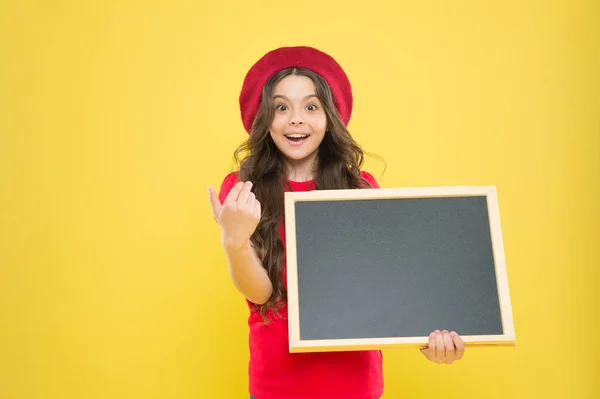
(376, 268)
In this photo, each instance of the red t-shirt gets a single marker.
(277, 374)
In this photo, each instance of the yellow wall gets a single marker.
(116, 115)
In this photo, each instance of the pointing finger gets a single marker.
(234, 193)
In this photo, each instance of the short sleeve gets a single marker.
(370, 179)
(227, 185)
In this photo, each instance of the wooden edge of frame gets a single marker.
(292, 271)
(337, 345)
(500, 264)
(382, 193)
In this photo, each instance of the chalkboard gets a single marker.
(376, 268)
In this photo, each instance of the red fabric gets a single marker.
(277, 374)
(286, 57)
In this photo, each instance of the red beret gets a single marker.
(286, 57)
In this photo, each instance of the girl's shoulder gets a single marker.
(228, 182)
(369, 178)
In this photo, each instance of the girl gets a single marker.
(295, 104)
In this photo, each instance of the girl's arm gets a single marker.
(238, 217)
(248, 274)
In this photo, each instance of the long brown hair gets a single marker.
(338, 167)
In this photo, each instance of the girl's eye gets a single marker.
(312, 107)
(280, 108)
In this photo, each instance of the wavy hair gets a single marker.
(338, 167)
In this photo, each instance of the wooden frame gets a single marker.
(298, 345)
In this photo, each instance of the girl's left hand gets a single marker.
(444, 347)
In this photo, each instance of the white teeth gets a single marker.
(297, 136)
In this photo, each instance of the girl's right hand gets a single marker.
(238, 216)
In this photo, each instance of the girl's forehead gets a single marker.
(295, 85)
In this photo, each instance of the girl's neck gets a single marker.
(300, 171)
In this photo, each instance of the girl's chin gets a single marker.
(298, 156)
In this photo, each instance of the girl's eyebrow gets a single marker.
(285, 98)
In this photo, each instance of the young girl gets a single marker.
(295, 104)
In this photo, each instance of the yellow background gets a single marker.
(116, 115)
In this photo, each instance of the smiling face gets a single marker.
(299, 123)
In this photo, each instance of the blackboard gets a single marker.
(376, 268)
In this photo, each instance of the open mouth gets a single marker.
(297, 137)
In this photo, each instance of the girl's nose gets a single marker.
(296, 117)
